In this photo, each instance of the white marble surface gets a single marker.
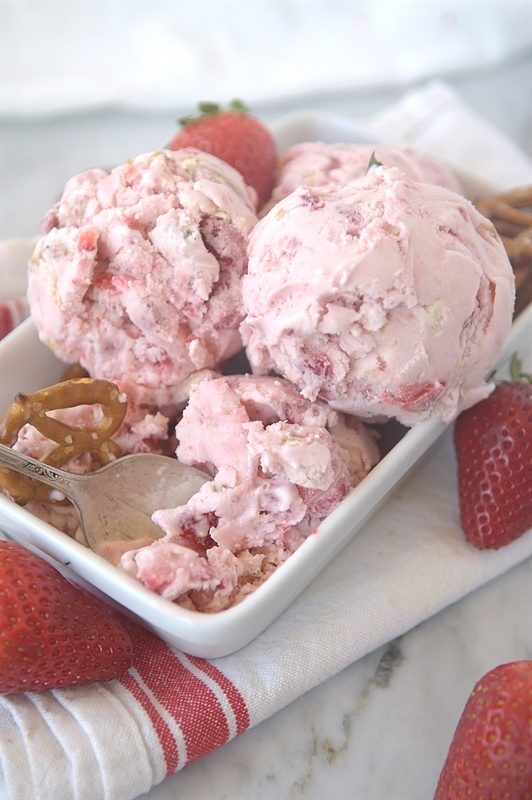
(380, 729)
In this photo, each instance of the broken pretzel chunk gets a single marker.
(511, 214)
(71, 440)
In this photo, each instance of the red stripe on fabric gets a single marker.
(160, 726)
(12, 313)
(6, 320)
(237, 702)
(185, 697)
(147, 648)
(193, 704)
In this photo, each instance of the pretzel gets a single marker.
(71, 440)
(511, 214)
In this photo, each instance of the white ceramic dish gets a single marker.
(27, 365)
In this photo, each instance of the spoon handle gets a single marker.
(55, 478)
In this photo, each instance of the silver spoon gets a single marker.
(117, 501)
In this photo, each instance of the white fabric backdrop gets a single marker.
(65, 56)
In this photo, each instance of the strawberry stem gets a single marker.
(210, 109)
(373, 162)
(516, 372)
(207, 108)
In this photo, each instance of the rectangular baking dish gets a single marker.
(27, 365)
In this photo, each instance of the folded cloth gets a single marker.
(437, 120)
(12, 313)
(116, 740)
(67, 57)
(14, 308)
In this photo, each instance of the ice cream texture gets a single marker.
(330, 167)
(138, 273)
(280, 464)
(360, 295)
(387, 298)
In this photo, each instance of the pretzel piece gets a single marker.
(71, 440)
(511, 214)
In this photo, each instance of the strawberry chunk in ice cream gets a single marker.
(138, 274)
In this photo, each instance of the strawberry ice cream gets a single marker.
(387, 298)
(138, 274)
(280, 464)
(331, 166)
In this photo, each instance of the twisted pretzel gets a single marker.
(511, 214)
(71, 440)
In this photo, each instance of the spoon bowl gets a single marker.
(116, 502)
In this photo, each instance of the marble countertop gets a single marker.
(381, 728)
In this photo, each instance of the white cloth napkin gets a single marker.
(152, 54)
(115, 741)
(437, 120)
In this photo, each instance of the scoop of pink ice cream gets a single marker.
(138, 274)
(389, 298)
(280, 465)
(330, 167)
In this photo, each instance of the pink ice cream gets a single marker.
(280, 464)
(389, 297)
(331, 166)
(138, 274)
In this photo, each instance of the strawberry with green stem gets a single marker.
(493, 444)
(236, 137)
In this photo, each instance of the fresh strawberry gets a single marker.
(491, 752)
(493, 443)
(236, 137)
(51, 633)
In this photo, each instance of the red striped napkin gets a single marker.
(14, 309)
(167, 711)
(187, 702)
(12, 313)
(116, 740)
